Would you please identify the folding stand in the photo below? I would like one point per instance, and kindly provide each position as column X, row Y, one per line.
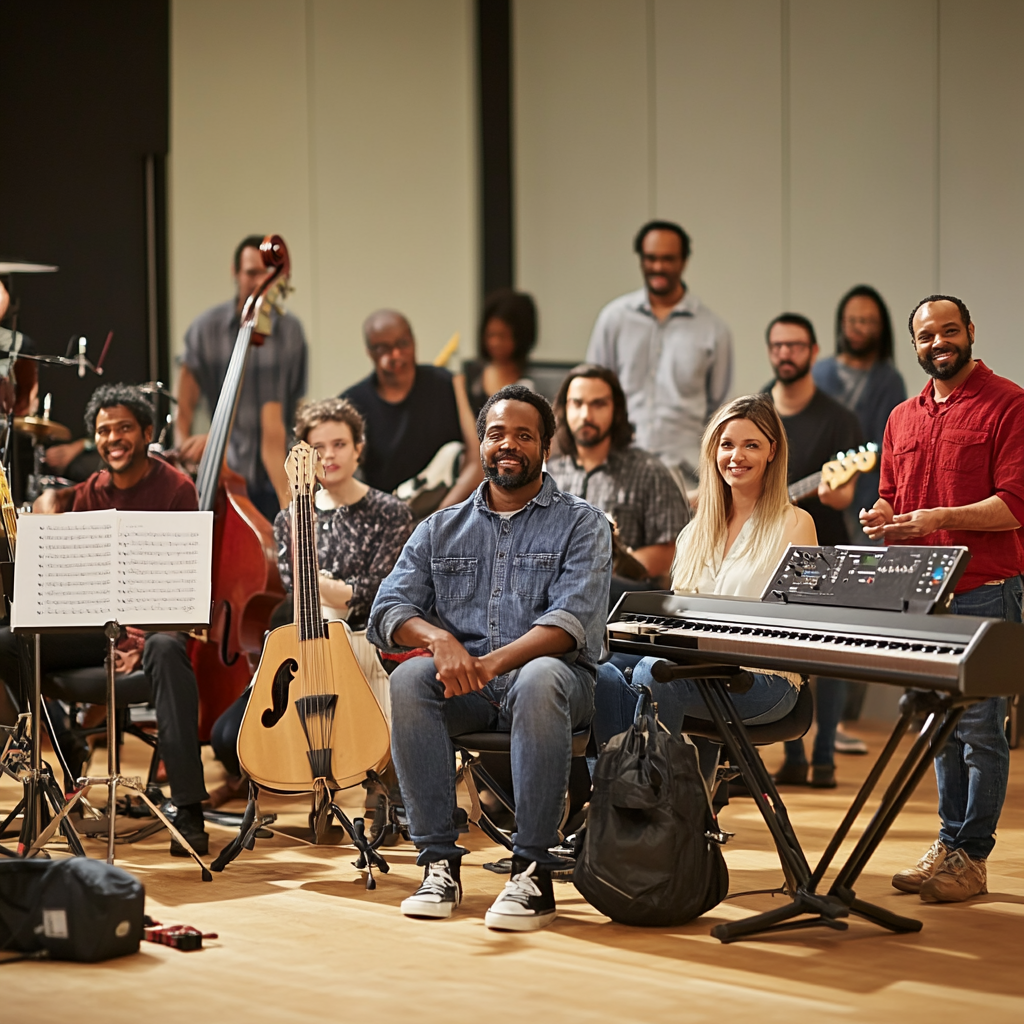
column 112, row 779
column 253, row 820
column 828, row 910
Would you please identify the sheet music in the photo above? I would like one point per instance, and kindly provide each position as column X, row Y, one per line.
column 135, row 568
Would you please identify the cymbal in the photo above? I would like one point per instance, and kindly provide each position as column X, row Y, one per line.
column 41, row 429
column 21, row 267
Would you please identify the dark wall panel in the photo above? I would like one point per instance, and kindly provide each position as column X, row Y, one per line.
column 84, row 100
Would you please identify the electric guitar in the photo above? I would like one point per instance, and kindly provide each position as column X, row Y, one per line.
column 837, row 472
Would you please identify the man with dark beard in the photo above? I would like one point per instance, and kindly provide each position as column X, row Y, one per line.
column 506, row 590
column 953, row 473
column 863, row 376
column 599, row 463
column 817, row 428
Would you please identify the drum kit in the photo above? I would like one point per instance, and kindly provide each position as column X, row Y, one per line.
column 42, row 429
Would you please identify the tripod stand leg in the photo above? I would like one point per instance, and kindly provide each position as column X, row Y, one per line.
column 252, row 822
column 369, row 858
column 129, row 784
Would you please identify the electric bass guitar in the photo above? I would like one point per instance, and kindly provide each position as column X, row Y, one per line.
column 837, row 472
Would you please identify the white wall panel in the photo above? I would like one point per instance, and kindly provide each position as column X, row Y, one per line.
column 394, row 191
column 347, row 127
column 581, row 159
column 862, row 188
column 719, row 160
column 238, row 162
column 982, row 172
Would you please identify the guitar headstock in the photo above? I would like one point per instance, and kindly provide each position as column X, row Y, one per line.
column 845, row 466
column 301, row 466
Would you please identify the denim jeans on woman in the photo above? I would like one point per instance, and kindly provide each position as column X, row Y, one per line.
column 973, row 767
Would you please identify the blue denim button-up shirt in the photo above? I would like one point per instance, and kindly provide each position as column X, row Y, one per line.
column 487, row 580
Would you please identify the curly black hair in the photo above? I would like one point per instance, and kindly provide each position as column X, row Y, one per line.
column 520, row 393
column 518, row 310
column 108, row 395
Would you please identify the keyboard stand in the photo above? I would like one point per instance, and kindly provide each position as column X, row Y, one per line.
column 809, row 908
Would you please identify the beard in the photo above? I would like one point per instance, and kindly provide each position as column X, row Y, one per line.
column 593, row 436
column 950, row 369
column 798, row 372
column 512, row 481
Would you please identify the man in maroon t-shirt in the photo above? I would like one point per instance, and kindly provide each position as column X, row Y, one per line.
column 953, row 473
column 121, row 420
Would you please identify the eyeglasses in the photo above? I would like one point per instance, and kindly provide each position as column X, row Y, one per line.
column 795, row 346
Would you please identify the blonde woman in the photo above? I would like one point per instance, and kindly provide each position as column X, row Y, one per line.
column 741, row 528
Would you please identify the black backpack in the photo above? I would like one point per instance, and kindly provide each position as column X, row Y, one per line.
column 74, row 909
column 651, row 854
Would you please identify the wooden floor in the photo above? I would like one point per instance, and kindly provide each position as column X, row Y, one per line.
column 300, row 939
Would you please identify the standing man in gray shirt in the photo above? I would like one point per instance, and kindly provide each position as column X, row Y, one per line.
column 672, row 355
column 275, row 380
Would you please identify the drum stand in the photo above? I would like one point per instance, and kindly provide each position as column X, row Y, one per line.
column 42, row 804
column 112, row 779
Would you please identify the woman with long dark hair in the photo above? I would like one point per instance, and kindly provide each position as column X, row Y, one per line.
column 508, row 332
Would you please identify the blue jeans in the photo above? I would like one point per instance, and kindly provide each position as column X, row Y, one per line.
column 973, row 767
column 769, row 699
column 829, row 705
column 540, row 705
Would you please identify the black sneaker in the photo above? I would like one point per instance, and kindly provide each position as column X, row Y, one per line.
column 527, row 902
column 190, row 823
column 439, row 894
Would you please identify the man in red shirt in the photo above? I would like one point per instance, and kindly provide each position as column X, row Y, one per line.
column 953, row 473
column 121, row 420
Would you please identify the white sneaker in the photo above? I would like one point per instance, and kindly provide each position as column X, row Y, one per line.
column 438, row 895
column 847, row 744
column 527, row 903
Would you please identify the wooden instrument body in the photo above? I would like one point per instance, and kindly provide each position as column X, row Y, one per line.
column 272, row 744
column 246, row 585
column 246, row 589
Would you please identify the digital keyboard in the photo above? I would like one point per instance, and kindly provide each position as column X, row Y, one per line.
column 954, row 653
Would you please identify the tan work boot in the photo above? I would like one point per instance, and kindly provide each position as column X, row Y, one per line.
column 913, row 878
column 958, row 879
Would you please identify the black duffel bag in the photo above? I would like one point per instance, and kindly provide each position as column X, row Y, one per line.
column 651, row 854
column 75, row 909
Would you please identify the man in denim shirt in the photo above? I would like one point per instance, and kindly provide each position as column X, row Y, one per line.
column 507, row 591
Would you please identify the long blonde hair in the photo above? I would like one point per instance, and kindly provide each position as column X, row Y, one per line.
column 702, row 540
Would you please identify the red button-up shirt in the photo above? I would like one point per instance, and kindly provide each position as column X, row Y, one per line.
column 958, row 452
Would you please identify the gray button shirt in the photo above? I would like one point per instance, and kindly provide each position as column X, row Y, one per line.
column 488, row 579
column 634, row 488
column 675, row 372
column 274, row 372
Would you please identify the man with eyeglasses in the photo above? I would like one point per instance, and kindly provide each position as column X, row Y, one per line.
column 417, row 417
column 672, row 355
column 817, row 428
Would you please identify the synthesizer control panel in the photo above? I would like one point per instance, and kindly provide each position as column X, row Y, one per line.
column 902, row 578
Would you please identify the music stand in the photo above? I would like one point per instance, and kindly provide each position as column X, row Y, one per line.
column 117, row 564
column 113, row 779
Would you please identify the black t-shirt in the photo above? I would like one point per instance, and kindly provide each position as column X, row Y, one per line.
column 816, row 435
column 402, row 437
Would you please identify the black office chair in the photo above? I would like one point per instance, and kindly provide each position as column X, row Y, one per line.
column 477, row 748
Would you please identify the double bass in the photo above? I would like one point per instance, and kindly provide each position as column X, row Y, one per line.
column 246, row 584
column 312, row 723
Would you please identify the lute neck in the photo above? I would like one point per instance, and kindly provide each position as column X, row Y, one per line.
column 309, row 614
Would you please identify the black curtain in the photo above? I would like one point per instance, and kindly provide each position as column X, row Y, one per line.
column 83, row 108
